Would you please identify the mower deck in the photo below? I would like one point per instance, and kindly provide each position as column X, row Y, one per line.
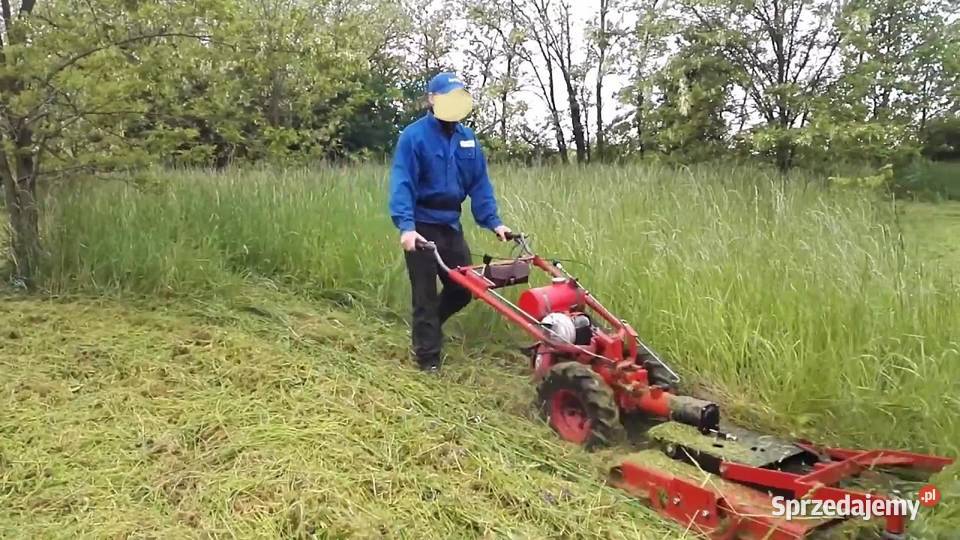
column 710, row 506
column 721, row 485
column 686, row 443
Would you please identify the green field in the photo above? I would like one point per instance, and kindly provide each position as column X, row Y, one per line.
column 227, row 353
column 932, row 233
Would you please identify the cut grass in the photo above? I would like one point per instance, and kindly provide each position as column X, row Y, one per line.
column 267, row 417
column 175, row 421
column 931, row 234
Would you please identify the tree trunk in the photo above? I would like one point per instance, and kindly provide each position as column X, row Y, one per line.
column 566, row 66
column 586, row 124
column 784, row 157
column 503, row 116
column 504, row 94
column 561, row 138
column 601, row 141
column 275, row 98
column 18, row 172
column 557, row 126
column 785, row 147
column 638, row 116
column 21, row 203
column 575, row 119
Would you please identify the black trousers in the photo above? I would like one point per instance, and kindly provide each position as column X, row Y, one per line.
column 430, row 308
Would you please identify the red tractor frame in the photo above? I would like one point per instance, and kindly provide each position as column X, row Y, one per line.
column 584, row 382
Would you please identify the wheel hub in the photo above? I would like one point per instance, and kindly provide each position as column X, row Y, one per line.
column 569, row 417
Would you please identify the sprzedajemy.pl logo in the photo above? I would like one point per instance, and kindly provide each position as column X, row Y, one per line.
column 865, row 508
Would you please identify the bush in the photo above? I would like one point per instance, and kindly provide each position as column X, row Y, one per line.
column 928, row 180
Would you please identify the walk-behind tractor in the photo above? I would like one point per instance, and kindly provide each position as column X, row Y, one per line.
column 721, row 482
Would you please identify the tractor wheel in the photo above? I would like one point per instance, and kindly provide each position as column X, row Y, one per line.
column 579, row 405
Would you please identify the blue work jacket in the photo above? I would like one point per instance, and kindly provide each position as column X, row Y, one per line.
column 432, row 175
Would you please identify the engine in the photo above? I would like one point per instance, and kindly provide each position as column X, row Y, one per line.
column 574, row 328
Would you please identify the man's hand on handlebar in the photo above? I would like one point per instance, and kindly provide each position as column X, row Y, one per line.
column 504, row 233
column 411, row 240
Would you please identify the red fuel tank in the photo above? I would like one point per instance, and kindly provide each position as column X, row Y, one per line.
column 561, row 295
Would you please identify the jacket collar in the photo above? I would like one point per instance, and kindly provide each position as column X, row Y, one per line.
column 435, row 124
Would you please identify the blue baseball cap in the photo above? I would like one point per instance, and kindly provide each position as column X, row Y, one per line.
column 443, row 83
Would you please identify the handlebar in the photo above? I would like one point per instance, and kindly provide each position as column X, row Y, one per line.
column 519, row 238
column 423, row 245
column 510, row 236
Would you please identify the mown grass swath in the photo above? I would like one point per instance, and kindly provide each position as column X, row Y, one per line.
column 179, row 420
column 802, row 311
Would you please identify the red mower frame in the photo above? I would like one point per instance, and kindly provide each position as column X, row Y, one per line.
column 733, row 510
column 617, row 355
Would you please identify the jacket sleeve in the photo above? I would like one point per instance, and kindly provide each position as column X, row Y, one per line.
column 403, row 181
column 482, row 200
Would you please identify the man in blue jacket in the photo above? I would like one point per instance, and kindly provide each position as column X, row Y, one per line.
column 437, row 164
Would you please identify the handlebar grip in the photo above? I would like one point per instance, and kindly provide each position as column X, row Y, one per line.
column 514, row 236
column 422, row 245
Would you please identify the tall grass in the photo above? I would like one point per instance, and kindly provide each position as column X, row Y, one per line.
column 801, row 310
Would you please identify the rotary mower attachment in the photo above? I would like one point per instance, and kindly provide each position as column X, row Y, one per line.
column 593, row 372
column 725, row 486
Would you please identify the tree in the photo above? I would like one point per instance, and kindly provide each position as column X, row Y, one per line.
column 786, row 51
column 533, row 37
column 559, row 41
column 951, row 66
column 941, row 138
column 428, row 40
column 894, row 59
column 645, row 48
column 115, row 85
column 71, row 69
column 606, row 36
column 695, row 88
column 496, row 50
column 549, row 28
column 892, row 79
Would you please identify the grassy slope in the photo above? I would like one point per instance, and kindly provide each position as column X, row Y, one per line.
column 202, row 416
column 165, row 421
column 266, row 417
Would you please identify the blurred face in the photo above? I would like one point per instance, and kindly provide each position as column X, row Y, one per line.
column 452, row 106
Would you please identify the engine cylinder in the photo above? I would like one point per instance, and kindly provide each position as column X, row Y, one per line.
column 561, row 295
column 584, row 327
column 561, row 326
